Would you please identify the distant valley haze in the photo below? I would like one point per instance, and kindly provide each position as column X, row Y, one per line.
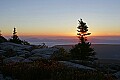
column 68, row 40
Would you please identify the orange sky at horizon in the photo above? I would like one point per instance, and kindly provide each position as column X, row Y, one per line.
column 73, row 33
column 61, row 35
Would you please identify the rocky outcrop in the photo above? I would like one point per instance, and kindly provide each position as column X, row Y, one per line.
column 34, row 58
column 13, row 59
column 2, row 52
column 13, row 46
column 27, row 60
column 74, row 65
column 44, row 52
column 23, row 53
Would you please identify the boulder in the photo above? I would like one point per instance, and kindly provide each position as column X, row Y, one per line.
column 13, row 59
column 34, row 58
column 2, row 52
column 13, row 46
column 21, row 52
column 74, row 65
column 27, row 60
column 45, row 56
column 44, row 52
column 22, row 55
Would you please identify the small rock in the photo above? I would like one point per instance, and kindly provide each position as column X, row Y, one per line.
column 34, row 58
column 19, row 52
column 27, row 60
column 13, row 46
column 74, row 65
column 117, row 75
column 44, row 52
column 2, row 52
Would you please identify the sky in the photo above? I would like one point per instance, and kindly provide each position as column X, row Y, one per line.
column 59, row 17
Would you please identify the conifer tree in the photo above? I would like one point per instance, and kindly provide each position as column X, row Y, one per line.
column 82, row 50
column 15, row 38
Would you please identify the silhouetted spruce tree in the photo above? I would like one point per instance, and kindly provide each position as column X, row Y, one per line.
column 15, row 39
column 82, row 50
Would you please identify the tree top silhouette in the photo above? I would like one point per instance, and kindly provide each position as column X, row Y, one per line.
column 82, row 31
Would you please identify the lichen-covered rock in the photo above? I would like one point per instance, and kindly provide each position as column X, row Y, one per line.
column 13, row 46
column 44, row 52
column 74, row 65
column 2, row 52
column 13, row 59
column 17, row 52
column 34, row 58
column 20, row 52
column 27, row 60
column 22, row 55
column 44, row 56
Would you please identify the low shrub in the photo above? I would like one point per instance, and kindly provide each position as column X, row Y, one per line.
column 48, row 70
column 61, row 54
